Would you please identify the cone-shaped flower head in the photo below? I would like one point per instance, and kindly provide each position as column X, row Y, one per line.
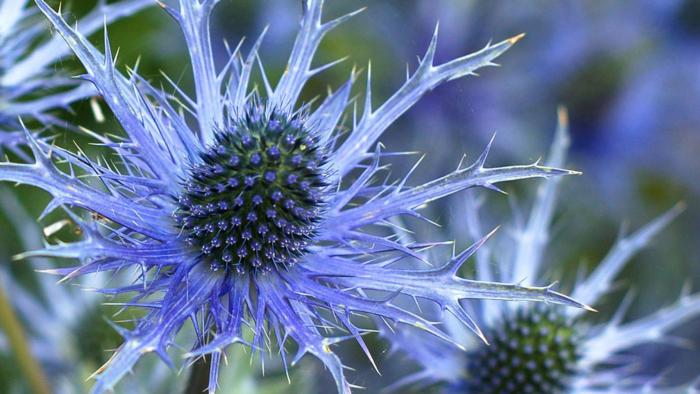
column 241, row 209
column 535, row 350
column 255, row 200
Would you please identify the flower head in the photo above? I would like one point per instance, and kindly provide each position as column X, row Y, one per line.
column 533, row 350
column 544, row 349
column 238, row 208
column 255, row 199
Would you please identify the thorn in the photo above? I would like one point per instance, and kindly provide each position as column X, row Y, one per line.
column 54, row 228
column 481, row 160
column 679, row 207
column 515, row 39
column 495, row 188
column 96, row 110
column 563, row 116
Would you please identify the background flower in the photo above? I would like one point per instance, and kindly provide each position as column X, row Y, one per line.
column 546, row 349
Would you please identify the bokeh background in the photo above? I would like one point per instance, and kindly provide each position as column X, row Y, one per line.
column 628, row 71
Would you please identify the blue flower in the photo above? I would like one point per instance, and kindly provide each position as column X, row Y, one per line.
column 543, row 349
column 26, row 60
column 238, row 209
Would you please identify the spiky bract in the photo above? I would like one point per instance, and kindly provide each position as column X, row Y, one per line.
column 29, row 85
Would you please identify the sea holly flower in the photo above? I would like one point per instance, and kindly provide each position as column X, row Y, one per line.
column 241, row 209
column 30, row 86
column 541, row 348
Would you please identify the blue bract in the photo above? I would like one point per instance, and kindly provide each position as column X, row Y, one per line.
column 29, row 85
column 242, row 209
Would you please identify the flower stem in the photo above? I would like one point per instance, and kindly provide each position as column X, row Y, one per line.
column 199, row 377
column 18, row 342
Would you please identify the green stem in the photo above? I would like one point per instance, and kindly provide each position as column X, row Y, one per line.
column 18, row 342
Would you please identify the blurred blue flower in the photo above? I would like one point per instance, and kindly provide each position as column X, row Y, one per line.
column 236, row 208
column 543, row 349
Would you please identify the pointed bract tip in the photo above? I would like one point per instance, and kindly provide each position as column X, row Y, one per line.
column 483, row 339
column 492, row 232
column 589, row 308
column 551, row 171
column 679, row 207
column 515, row 39
column 48, row 271
column 562, row 115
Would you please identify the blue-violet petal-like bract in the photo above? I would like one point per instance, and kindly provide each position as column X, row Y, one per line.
column 26, row 65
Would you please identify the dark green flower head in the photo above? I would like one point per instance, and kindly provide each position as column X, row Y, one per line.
column 256, row 197
column 533, row 351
